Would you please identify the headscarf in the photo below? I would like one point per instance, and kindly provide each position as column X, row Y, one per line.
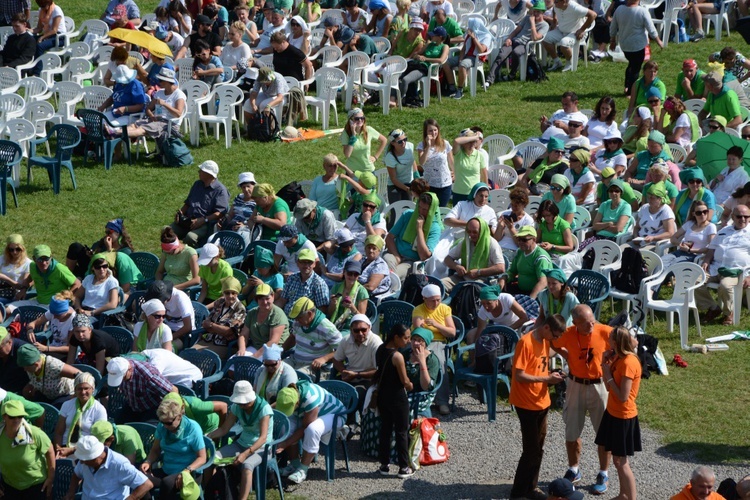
column 375, row 239
column 658, row 189
column 231, row 283
column 480, row 256
column 477, row 187
column 263, row 257
column 410, row 233
column 561, row 181
column 372, row 197
column 490, row 293
column 686, row 176
column 554, row 144
column 302, row 23
column 424, row 334
column 75, row 425
column 583, row 156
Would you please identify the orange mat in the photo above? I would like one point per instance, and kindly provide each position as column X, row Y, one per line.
column 310, row 134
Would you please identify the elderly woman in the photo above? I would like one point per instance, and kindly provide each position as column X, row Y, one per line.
column 50, row 380
column 166, row 109
column 423, row 365
column 14, row 267
column 498, row 308
column 77, row 415
column 375, row 276
column 560, row 193
column 437, row 318
column 367, row 223
column 684, row 128
column 581, row 179
column 543, row 169
column 348, row 297
column 635, row 175
column 556, row 298
column 602, row 189
column 255, row 416
column 151, row 332
column 659, row 173
column 128, row 96
column 614, row 215
column 655, row 221
column 264, row 324
column 97, row 347
column 207, row 414
column 697, row 190
column 265, row 273
column 693, row 237
column 59, row 317
column 356, row 140
column 212, row 269
column 731, row 178
column 267, row 93
column 510, row 221
column 240, row 213
column 271, row 211
column 99, row 292
column 27, row 456
column 178, row 263
column 344, row 252
column 274, row 375
column 178, row 445
column 225, row 322
column 555, row 235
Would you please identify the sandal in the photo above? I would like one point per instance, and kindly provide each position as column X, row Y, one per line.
column 677, row 360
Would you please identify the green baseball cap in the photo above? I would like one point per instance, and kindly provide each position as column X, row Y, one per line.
column 286, row 400
column 42, row 251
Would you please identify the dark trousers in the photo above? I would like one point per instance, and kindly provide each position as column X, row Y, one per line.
column 443, row 194
column 394, row 415
column 635, row 61
column 533, row 433
column 395, row 194
column 166, row 485
column 31, row 493
column 518, row 49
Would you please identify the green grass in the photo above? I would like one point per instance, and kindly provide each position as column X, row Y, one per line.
column 698, row 409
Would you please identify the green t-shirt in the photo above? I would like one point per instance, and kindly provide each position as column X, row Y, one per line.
column 697, row 83
column 641, row 89
column 251, row 429
column 451, row 26
column 610, row 214
column 555, row 235
column 628, row 195
column 635, row 144
column 359, row 160
column 24, row 466
column 404, row 47
column 128, row 441
column 177, row 266
column 529, row 268
column 203, row 413
column 433, row 51
column 213, row 280
column 127, row 271
column 567, row 205
column 367, row 45
column 412, row 371
column 278, row 205
column 34, row 410
column 726, row 104
column 261, row 332
column 468, row 169
column 58, row 279
column 303, row 11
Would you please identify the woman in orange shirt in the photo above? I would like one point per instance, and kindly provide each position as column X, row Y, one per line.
column 619, row 431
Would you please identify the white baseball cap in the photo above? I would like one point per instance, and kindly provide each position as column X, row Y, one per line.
column 88, row 448
column 210, row 167
column 208, row 252
column 116, row 370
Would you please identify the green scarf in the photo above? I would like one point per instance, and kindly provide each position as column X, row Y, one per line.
column 255, row 413
column 319, row 316
column 536, row 176
column 410, row 233
column 374, row 219
column 142, row 339
column 45, row 276
column 607, row 155
column 480, row 257
column 342, row 257
column 318, row 217
column 551, row 304
column 684, row 198
column 584, row 171
column 301, row 240
column 338, row 289
column 75, row 430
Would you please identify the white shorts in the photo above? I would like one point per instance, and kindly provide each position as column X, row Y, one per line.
column 318, row 430
column 579, row 399
column 557, row 37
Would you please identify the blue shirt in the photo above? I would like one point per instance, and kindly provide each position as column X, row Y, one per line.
column 325, row 193
column 114, row 479
column 129, row 94
column 180, row 450
column 315, row 288
column 203, row 200
column 154, row 69
column 404, row 248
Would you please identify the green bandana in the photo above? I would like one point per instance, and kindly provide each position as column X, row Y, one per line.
column 263, row 257
column 480, row 257
column 319, row 316
column 410, row 233
column 301, row 240
column 75, row 426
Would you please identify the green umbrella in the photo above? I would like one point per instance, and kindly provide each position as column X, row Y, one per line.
column 711, row 153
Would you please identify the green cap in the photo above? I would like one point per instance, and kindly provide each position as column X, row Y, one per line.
column 3, row 333
column 616, row 183
column 190, row 489
column 560, row 180
column 287, row 399
column 367, row 179
column 27, row 355
column 526, row 231
column 302, row 305
column 306, row 254
column 539, row 5
column 556, row 274
column 555, row 143
column 42, row 251
column 263, row 257
column 657, row 137
column 422, row 333
column 14, row 408
column 102, row 430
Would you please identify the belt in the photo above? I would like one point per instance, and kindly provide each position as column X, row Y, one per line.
column 585, row 381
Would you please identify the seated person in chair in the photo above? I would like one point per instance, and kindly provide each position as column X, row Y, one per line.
column 527, row 266
column 268, row 92
column 313, row 337
column 479, row 253
column 165, row 112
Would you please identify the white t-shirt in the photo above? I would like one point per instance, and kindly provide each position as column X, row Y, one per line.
column 653, row 224
column 731, row 249
column 60, row 329
column 465, row 210
column 685, row 139
column 88, row 418
column 601, row 162
column 731, row 183
column 231, row 55
column 13, row 272
column 360, row 232
column 599, row 130
column 496, row 254
column 577, row 187
column 508, row 242
column 265, row 37
column 171, row 100
column 299, row 41
column 172, row 367
column 576, row 142
column 291, row 259
column 572, row 18
column 507, row 316
column 437, row 173
column 176, row 42
column 564, row 117
column 156, row 341
column 97, row 295
column 431, row 7
column 699, row 238
column 57, row 12
column 403, row 164
column 177, row 308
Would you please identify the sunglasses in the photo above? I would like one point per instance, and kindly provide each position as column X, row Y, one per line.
column 359, row 330
column 400, row 141
column 271, row 365
column 695, row 181
column 103, row 266
column 556, row 188
column 742, row 216
column 525, row 240
column 714, row 127
column 14, row 249
column 701, row 212
column 369, row 205
column 654, row 101
column 352, row 273
column 358, row 118
column 575, row 125
column 295, row 24
column 170, row 423
column 42, row 259
column 159, row 316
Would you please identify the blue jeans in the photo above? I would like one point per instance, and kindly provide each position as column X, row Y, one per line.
column 443, row 194
column 45, row 45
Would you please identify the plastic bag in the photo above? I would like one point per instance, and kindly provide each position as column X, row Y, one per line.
column 427, row 443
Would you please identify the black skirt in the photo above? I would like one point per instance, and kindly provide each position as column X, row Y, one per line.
column 621, row 437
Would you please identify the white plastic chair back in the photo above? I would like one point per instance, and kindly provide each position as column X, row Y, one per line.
column 328, row 81
column 480, row 6
column 138, row 56
column 499, row 200
column 678, row 153
column 462, row 8
column 95, row 27
column 21, row 131
column 292, row 83
column 503, row 176
column 530, row 151
column 5, row 32
column 184, row 68
column 588, row 113
column 330, row 55
column 383, row 44
column 34, row 89
column 468, row 17
column 102, row 54
column 11, row 106
column 78, row 70
column 695, row 105
column 606, row 253
column 51, row 65
column 9, row 79
column 533, row 206
column 382, row 176
column 228, row 97
column 95, row 95
column 732, row 132
column 39, row 113
column 79, row 49
column 397, row 209
column 500, row 147
column 316, row 35
column 67, row 95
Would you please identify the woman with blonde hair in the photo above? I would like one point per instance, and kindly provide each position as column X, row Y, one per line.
column 356, row 140
column 436, row 160
column 178, row 263
column 271, row 211
column 14, row 267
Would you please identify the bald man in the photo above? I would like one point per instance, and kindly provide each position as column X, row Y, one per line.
column 700, row 487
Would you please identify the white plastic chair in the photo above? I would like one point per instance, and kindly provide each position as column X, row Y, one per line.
column 433, row 75
column 530, row 151
column 478, row 68
column 80, row 49
column 678, row 154
column 184, row 69
column 501, row 28
column 531, row 48
column 468, row 17
column 330, row 55
column 583, row 44
column 390, row 69
column 51, row 66
column 40, row 113
column 719, row 20
column 95, row 95
column 499, row 200
column 655, row 267
column 34, row 89
column 383, row 45
column 78, row 70
column 582, row 219
column 500, row 147
column 9, row 80
column 382, row 177
column 11, row 106
column 21, row 131
column 67, row 95
column 194, row 91
column 102, row 54
column 503, row 176
column 5, row 32
column 671, row 11
column 695, row 105
column 687, row 278
column 397, row 209
column 327, row 82
column 533, row 206
column 462, row 8
column 95, row 27
column 228, row 99
column 607, row 255
column 70, row 32
column 355, row 62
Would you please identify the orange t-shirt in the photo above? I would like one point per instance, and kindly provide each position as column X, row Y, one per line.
column 585, row 351
column 630, row 367
column 687, row 494
column 532, row 357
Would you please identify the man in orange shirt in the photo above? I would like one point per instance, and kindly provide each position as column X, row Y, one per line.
column 700, row 487
column 529, row 393
column 582, row 346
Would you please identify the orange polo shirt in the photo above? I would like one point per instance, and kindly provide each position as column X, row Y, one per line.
column 532, row 357
column 687, row 494
column 630, row 367
column 585, row 351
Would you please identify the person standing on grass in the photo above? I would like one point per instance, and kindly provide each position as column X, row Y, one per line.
column 619, row 432
column 529, row 393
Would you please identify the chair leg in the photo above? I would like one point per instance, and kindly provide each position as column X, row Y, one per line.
column 492, row 402
column 697, row 319
column 385, row 101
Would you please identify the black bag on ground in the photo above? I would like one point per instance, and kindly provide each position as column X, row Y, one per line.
column 631, row 273
column 224, row 484
column 465, row 304
column 263, row 127
column 489, row 347
column 647, row 345
column 411, row 290
column 291, row 194
column 174, row 152
column 587, row 262
column 534, row 71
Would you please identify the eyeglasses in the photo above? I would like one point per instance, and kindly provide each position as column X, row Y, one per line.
column 159, row 316
column 171, row 423
column 42, row 259
column 103, row 266
column 574, row 125
column 701, row 212
column 359, row 330
column 695, row 181
column 369, row 205
column 14, row 249
column 714, row 127
column 401, row 141
column 654, row 101
column 358, row 118
column 524, row 240
column 556, row 188
column 742, row 216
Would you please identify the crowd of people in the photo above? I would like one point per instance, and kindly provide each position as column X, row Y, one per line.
column 300, row 305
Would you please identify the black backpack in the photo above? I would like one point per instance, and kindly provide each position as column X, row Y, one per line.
column 291, row 194
column 411, row 290
column 489, row 347
column 465, row 304
column 264, row 127
column 534, row 71
column 224, row 484
column 631, row 273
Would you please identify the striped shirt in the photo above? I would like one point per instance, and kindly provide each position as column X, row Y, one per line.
column 321, row 341
column 312, row 396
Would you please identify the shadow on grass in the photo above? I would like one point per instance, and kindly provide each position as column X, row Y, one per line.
column 690, row 452
column 556, row 98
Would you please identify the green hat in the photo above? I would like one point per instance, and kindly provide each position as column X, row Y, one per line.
column 307, row 254
column 657, row 137
column 42, row 251
column 372, row 198
column 263, row 290
column 539, row 5
column 555, row 143
column 3, row 333
column 657, row 189
column 582, row 155
column 302, row 305
column 422, row 333
column 719, row 119
column 102, row 430
column 287, row 399
column 526, row 231
column 560, row 180
column 367, row 179
column 689, row 174
column 375, row 239
column 556, row 274
column 616, row 183
column 190, row 489
column 263, row 257
column 490, row 293
column 231, row 283
column 14, row 408
column 608, row 172
column 27, row 355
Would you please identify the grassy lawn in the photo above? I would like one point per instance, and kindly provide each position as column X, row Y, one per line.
column 696, row 408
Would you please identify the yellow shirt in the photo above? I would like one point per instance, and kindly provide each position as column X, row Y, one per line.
column 438, row 316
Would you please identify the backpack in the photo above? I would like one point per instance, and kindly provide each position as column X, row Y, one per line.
column 291, row 194
column 534, row 71
column 489, row 347
column 411, row 290
column 174, row 152
column 632, row 272
column 224, row 484
column 465, row 304
column 263, row 127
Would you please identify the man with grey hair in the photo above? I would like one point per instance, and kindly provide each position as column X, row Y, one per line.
column 700, row 487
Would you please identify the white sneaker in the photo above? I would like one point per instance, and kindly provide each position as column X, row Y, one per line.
column 556, row 64
column 289, row 469
column 298, row 476
column 568, row 67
